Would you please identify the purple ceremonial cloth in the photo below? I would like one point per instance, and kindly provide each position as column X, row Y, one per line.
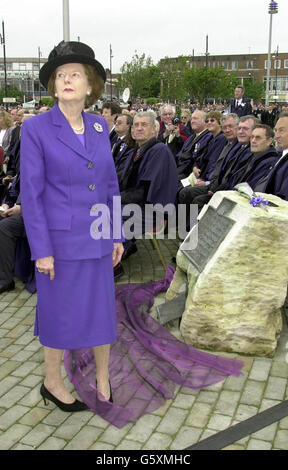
column 146, row 361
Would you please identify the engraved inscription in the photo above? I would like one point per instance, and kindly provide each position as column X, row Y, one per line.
column 212, row 229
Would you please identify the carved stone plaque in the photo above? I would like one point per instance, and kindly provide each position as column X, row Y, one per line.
column 212, row 229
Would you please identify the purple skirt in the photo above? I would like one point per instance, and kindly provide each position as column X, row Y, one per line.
column 77, row 309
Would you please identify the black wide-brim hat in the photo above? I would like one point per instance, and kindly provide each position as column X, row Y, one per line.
column 66, row 53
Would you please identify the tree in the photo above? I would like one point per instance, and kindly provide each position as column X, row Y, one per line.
column 172, row 78
column 254, row 89
column 206, row 82
column 141, row 76
column 13, row 92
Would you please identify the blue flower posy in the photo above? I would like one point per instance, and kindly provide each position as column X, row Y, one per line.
column 258, row 201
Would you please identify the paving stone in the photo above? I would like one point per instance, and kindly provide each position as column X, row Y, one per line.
column 55, row 417
column 260, row 369
column 32, row 398
column 22, row 447
column 13, row 396
column 11, row 350
column 163, row 409
column 234, row 447
column 253, row 392
column 255, row 444
column 158, row 441
column 227, row 402
column 208, row 397
column 172, row 421
column 98, row 422
column 13, row 435
column 266, row 403
column 22, row 356
column 199, row 415
column 235, row 383
column 37, row 435
column 185, row 438
column 183, row 401
column 72, row 424
column 128, row 445
column 25, row 339
column 17, row 331
column 12, row 415
column 219, row 422
column 53, row 443
column 267, row 433
column 7, row 383
column 102, row 446
column 31, row 381
column 24, row 312
column 17, row 302
column 245, row 412
column 84, row 439
column 281, row 440
column 31, row 301
column 3, row 305
column 283, row 423
column 276, row 388
column 114, row 435
column 143, row 428
column 25, row 369
column 34, row 416
column 279, row 369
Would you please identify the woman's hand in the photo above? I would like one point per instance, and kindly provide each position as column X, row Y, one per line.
column 46, row 266
column 117, row 253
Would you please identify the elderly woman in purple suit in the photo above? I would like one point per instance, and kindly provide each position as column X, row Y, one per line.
column 66, row 170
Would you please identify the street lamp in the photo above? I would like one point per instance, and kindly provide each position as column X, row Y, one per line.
column 275, row 56
column 273, row 9
column 2, row 41
column 39, row 58
column 66, row 21
column 111, row 56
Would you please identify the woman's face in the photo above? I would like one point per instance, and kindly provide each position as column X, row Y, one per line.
column 184, row 118
column 71, row 83
column 213, row 125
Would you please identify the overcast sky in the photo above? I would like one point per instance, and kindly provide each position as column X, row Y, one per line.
column 158, row 28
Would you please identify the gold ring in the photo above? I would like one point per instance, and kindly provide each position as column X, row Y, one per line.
column 40, row 270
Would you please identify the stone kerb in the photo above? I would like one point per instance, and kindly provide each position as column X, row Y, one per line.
column 234, row 296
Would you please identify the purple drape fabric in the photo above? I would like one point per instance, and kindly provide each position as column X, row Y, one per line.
column 146, row 361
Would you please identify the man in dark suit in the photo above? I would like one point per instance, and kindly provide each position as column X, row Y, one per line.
column 110, row 112
column 239, row 104
column 276, row 181
column 195, row 146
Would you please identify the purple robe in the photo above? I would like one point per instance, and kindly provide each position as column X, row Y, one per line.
column 158, row 168
column 277, row 181
column 193, row 149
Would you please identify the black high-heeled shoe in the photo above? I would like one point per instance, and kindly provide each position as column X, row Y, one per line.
column 68, row 407
column 111, row 397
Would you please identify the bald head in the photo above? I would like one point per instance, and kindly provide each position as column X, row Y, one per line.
column 198, row 121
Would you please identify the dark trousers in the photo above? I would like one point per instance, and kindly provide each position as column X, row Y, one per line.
column 11, row 229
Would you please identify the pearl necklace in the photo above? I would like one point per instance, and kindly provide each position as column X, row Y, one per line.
column 79, row 130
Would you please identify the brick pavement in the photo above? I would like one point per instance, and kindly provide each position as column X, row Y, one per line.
column 25, row 423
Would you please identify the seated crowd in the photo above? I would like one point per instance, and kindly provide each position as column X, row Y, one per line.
column 161, row 157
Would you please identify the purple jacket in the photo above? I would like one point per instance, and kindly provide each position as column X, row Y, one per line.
column 61, row 180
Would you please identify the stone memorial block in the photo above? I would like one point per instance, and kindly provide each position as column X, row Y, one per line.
column 236, row 276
